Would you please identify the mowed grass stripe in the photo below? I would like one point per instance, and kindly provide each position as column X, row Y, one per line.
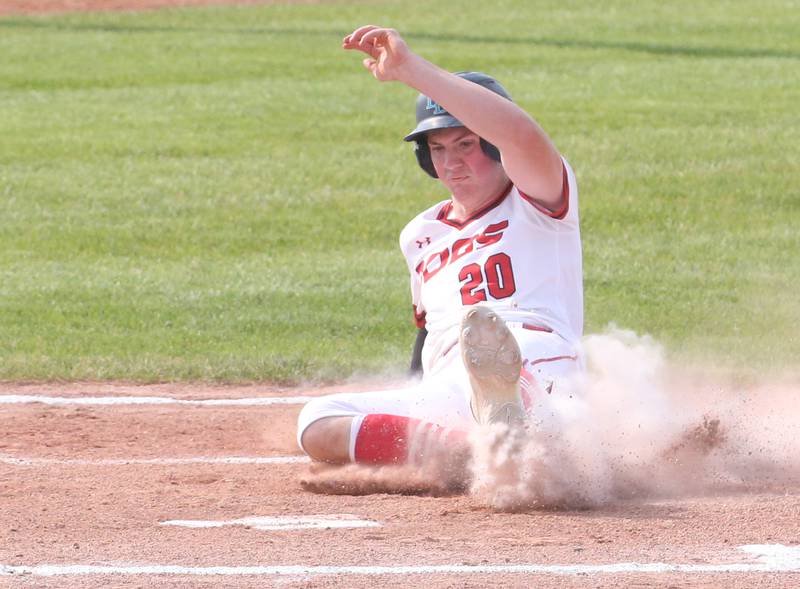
column 216, row 193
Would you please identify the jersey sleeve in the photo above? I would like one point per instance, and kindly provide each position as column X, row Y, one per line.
column 415, row 280
column 419, row 310
column 567, row 210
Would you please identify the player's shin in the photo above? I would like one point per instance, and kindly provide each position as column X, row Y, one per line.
column 381, row 439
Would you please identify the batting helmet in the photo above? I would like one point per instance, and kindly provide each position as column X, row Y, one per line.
column 431, row 116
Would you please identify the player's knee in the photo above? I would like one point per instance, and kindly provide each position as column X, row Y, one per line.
column 309, row 415
column 327, row 439
column 311, row 440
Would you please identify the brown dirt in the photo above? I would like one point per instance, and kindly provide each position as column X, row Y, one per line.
column 96, row 514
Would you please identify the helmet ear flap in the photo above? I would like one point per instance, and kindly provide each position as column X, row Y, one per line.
column 423, row 153
column 490, row 150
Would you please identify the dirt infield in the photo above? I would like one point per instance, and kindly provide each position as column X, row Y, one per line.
column 89, row 473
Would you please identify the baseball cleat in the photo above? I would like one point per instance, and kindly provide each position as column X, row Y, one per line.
column 493, row 361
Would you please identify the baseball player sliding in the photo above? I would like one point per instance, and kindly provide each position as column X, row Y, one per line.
column 495, row 269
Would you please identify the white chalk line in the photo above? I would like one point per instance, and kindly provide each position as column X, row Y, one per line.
column 16, row 461
column 90, row 401
column 774, row 559
column 304, row 522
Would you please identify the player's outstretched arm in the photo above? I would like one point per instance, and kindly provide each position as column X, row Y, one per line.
column 529, row 157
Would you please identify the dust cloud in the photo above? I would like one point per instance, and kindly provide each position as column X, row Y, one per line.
column 634, row 428
column 631, row 428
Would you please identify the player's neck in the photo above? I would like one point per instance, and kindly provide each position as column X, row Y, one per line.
column 468, row 203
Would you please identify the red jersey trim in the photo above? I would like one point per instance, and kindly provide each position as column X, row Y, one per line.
column 448, row 206
column 563, row 208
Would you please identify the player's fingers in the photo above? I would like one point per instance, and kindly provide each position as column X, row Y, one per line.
column 356, row 41
column 374, row 43
column 354, row 37
column 370, row 50
column 371, row 65
column 374, row 36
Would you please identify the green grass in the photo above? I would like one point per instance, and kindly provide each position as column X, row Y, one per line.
column 216, row 194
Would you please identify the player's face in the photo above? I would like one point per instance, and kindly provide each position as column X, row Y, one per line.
column 461, row 163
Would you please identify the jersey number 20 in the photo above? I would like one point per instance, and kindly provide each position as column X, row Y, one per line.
column 496, row 274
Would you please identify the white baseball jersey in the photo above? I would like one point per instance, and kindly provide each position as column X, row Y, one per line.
column 514, row 255
column 519, row 258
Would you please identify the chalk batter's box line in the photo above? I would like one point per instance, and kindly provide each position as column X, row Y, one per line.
column 773, row 559
column 193, row 460
column 102, row 401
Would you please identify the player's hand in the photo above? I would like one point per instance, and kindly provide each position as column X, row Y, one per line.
column 387, row 51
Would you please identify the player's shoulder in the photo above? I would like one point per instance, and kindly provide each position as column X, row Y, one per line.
column 564, row 214
column 421, row 227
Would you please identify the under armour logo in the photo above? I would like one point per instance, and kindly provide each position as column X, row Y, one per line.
column 423, row 242
column 435, row 107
